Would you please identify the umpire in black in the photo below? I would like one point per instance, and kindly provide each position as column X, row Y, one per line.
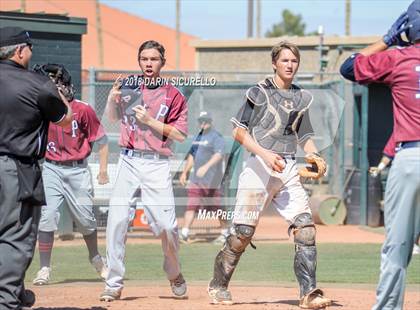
column 28, row 102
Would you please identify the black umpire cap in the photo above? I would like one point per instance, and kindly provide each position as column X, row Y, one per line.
column 13, row 36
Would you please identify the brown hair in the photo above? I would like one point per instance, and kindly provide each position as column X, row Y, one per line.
column 152, row 44
column 276, row 50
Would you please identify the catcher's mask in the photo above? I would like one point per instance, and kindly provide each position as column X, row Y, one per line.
column 60, row 76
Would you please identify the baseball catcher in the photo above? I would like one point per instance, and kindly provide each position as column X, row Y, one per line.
column 271, row 123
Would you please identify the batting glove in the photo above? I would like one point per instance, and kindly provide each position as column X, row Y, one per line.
column 393, row 37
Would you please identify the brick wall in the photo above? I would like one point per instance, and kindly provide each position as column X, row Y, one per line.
column 60, row 48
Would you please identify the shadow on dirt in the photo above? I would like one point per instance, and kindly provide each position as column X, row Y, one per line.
column 173, row 297
column 78, row 280
column 70, row 308
column 292, row 302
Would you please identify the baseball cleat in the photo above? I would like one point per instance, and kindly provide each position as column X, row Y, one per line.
column 184, row 239
column 109, row 295
column 42, row 276
column 179, row 286
column 100, row 266
column 314, row 300
column 220, row 296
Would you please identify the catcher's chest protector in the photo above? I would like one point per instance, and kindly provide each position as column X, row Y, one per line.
column 278, row 115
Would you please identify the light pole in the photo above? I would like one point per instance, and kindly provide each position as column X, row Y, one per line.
column 250, row 18
column 348, row 17
column 321, row 47
column 178, row 35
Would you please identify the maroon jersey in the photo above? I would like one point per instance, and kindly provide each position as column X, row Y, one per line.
column 74, row 142
column 400, row 69
column 390, row 146
column 164, row 103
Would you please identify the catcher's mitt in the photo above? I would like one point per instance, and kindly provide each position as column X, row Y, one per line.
column 60, row 76
column 317, row 169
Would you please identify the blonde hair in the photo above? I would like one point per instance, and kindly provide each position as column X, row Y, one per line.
column 276, row 50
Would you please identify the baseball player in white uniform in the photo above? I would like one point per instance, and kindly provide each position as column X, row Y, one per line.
column 270, row 125
column 67, row 179
column 152, row 115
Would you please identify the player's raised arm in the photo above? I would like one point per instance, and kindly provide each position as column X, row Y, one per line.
column 392, row 37
column 111, row 109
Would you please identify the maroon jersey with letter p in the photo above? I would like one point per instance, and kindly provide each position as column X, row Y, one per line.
column 74, row 142
column 164, row 103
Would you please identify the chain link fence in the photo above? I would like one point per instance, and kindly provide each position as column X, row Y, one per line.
column 222, row 94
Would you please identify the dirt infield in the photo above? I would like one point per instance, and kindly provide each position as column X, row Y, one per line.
column 86, row 296
column 156, row 295
column 273, row 227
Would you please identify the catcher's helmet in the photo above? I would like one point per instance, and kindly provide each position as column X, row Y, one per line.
column 413, row 12
column 60, row 76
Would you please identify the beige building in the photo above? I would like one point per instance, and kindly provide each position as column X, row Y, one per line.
column 253, row 55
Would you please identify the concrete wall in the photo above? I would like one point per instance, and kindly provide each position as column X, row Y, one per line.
column 253, row 55
column 63, row 49
column 56, row 38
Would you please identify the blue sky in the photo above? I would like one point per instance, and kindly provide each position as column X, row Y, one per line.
column 218, row 19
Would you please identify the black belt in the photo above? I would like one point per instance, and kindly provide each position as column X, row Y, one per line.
column 408, row 144
column 69, row 163
column 143, row 154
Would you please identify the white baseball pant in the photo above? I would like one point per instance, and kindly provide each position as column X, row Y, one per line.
column 258, row 188
column 153, row 177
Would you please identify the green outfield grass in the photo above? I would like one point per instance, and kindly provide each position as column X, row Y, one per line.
column 337, row 263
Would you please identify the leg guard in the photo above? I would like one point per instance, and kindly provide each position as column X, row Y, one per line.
column 305, row 252
column 227, row 259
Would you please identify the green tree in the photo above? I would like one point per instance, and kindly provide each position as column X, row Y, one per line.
column 290, row 25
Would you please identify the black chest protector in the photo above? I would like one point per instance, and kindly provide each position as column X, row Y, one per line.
column 278, row 114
